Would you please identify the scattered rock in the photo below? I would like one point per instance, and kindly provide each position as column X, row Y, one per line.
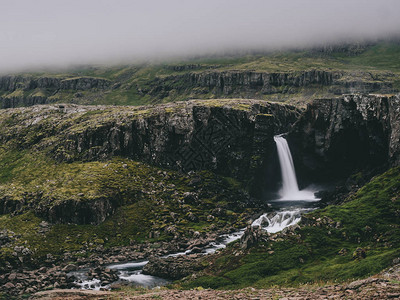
column 359, row 253
column 9, row 285
column 58, row 294
column 70, row 267
column 174, row 267
column 251, row 236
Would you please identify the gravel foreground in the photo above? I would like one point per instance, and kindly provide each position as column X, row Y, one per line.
column 383, row 286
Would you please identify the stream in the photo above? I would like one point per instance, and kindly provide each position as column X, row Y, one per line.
column 287, row 211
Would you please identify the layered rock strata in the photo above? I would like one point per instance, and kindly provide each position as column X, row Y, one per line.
column 340, row 136
column 231, row 138
column 256, row 84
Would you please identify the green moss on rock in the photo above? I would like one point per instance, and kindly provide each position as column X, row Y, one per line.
column 322, row 248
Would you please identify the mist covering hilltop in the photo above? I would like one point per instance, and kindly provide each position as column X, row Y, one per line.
column 211, row 144
column 45, row 33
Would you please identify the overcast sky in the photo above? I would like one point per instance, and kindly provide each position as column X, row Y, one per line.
column 62, row 32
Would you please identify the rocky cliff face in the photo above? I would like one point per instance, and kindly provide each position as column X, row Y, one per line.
column 12, row 83
column 27, row 90
column 17, row 101
column 190, row 81
column 266, row 83
column 232, row 138
column 251, row 84
column 224, row 138
column 335, row 137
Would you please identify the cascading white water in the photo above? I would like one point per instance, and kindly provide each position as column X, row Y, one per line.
column 290, row 189
column 289, row 181
column 271, row 222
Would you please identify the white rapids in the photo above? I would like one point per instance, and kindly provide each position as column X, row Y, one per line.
column 290, row 193
column 131, row 272
column 291, row 203
column 273, row 223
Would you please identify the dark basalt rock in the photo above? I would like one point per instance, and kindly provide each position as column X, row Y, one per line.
column 78, row 212
column 359, row 253
column 47, row 86
column 238, row 82
column 9, row 102
column 174, row 267
column 252, row 84
column 233, row 138
column 193, row 81
column 251, row 236
column 338, row 137
column 12, row 83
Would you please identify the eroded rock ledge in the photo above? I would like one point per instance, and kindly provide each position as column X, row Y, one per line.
column 230, row 137
column 340, row 136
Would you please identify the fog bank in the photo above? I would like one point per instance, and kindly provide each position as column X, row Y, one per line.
column 45, row 33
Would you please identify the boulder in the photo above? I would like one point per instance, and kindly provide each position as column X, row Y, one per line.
column 359, row 253
column 251, row 236
column 174, row 267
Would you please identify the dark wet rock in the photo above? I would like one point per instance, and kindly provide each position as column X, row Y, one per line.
column 218, row 137
column 232, row 138
column 190, row 197
column 251, row 236
column 338, row 137
column 33, row 88
column 6, row 236
column 174, row 267
column 359, row 253
column 69, row 268
column 192, row 217
column 9, row 286
column 105, row 275
column 196, row 250
column 30, row 281
column 251, row 84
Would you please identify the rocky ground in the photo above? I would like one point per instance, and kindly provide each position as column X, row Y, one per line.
column 383, row 286
column 56, row 274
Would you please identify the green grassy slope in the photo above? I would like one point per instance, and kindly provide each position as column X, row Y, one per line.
column 147, row 197
column 323, row 249
column 143, row 83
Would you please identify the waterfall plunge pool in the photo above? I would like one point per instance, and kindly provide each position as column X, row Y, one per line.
column 287, row 211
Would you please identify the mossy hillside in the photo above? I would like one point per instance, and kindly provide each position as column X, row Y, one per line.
column 147, row 199
column 56, row 129
column 119, row 178
column 162, row 135
column 323, row 248
column 78, row 181
column 149, row 83
column 380, row 56
column 24, row 127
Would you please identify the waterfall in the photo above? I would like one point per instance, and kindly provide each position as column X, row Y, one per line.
column 289, row 215
column 290, row 189
column 292, row 211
